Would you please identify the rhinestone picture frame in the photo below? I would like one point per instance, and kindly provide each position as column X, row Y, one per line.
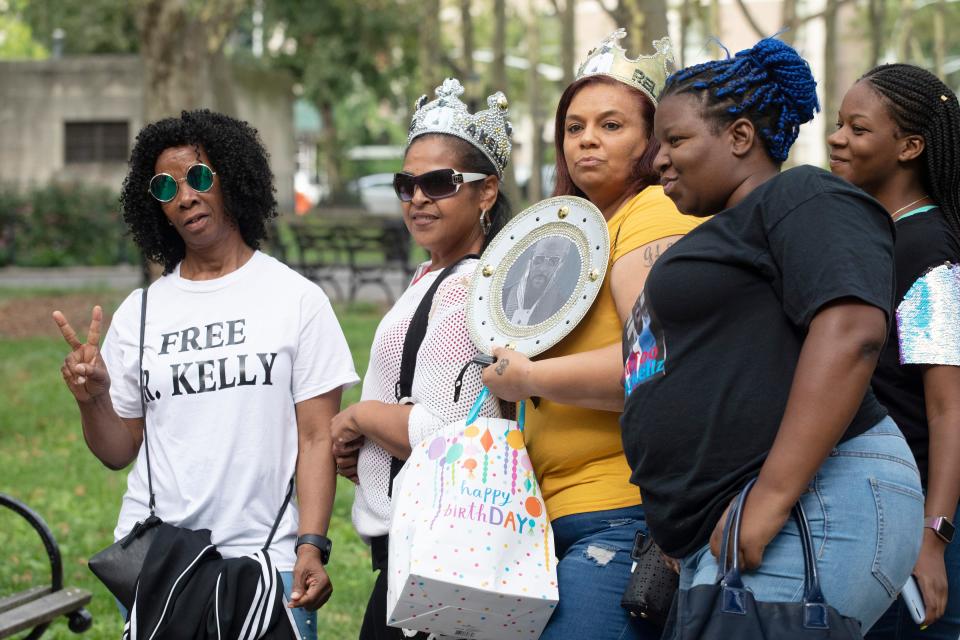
column 538, row 278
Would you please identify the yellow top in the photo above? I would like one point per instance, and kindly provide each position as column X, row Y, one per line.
column 576, row 452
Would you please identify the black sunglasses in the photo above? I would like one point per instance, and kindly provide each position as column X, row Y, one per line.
column 164, row 187
column 436, row 185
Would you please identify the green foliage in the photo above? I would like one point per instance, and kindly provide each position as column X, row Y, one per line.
column 47, row 465
column 345, row 44
column 16, row 40
column 89, row 26
column 62, row 225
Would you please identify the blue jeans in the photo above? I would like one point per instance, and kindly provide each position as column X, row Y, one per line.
column 896, row 623
column 593, row 572
column 865, row 507
column 306, row 620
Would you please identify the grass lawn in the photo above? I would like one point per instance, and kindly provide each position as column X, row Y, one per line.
column 45, row 463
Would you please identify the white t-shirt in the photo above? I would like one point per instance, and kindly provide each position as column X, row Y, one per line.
column 225, row 362
column 446, row 347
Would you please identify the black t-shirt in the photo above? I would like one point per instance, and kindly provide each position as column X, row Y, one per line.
column 924, row 242
column 713, row 342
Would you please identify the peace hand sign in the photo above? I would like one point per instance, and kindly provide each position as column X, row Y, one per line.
column 83, row 369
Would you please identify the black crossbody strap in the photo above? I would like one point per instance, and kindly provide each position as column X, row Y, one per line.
column 411, row 345
column 143, row 401
column 276, row 523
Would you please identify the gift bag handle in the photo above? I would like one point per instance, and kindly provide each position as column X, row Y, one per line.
column 729, row 576
column 478, row 405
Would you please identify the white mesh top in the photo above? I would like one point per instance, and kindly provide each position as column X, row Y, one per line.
column 445, row 349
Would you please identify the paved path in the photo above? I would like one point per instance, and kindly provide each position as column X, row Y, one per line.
column 126, row 277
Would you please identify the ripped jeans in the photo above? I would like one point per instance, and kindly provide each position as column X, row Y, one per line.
column 593, row 571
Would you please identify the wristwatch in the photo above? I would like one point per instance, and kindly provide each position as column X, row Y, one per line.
column 941, row 526
column 320, row 542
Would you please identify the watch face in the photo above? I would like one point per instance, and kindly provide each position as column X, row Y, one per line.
column 946, row 529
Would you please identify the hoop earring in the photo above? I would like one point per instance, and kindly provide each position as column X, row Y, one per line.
column 485, row 222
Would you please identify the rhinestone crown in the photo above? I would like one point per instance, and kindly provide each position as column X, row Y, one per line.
column 487, row 130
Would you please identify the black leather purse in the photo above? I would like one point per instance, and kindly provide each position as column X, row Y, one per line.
column 118, row 566
column 727, row 609
column 652, row 585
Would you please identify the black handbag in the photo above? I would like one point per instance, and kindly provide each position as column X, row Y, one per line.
column 726, row 609
column 652, row 585
column 118, row 566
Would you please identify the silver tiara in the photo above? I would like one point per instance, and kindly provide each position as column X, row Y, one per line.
column 488, row 130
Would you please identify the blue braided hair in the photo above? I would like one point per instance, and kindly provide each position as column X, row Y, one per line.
column 769, row 83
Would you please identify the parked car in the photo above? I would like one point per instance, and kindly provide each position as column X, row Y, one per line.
column 377, row 195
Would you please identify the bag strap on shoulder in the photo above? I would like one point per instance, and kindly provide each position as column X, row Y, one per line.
column 143, row 402
column 411, row 346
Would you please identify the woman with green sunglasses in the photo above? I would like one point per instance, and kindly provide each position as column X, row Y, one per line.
column 244, row 361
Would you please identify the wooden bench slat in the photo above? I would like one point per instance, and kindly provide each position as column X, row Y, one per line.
column 42, row 610
column 23, row 597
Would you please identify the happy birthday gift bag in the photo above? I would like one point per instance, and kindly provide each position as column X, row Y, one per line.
column 471, row 547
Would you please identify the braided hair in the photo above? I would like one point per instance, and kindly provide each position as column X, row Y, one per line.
column 920, row 104
column 770, row 84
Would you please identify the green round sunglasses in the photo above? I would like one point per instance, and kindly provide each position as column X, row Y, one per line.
column 164, row 187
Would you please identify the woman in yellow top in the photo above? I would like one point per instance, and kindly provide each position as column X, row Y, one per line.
column 605, row 151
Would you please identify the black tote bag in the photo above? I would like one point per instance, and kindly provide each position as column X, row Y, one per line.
column 726, row 609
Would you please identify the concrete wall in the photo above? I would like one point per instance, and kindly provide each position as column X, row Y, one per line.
column 38, row 97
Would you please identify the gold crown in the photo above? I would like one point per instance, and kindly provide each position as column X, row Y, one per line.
column 646, row 73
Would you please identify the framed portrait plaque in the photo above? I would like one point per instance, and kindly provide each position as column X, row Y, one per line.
column 539, row 276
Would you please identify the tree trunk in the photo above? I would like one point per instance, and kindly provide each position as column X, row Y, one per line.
column 830, row 98
column 568, row 41
column 180, row 47
column 330, row 150
column 534, row 186
column 905, row 29
column 498, row 70
column 789, row 21
column 622, row 15
column 466, row 38
column 876, row 14
column 498, row 77
column 429, row 53
column 939, row 38
column 715, row 25
column 183, row 64
column 685, row 20
column 174, row 59
column 653, row 26
column 748, row 16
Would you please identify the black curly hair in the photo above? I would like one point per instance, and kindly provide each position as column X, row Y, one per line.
column 236, row 154
column 921, row 104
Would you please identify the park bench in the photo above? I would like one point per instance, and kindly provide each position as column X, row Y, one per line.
column 363, row 250
column 37, row 607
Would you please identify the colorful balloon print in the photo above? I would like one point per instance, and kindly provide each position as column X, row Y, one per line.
column 436, row 448
column 454, row 452
column 525, row 462
column 515, row 439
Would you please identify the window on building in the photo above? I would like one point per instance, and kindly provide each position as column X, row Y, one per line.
column 96, row 141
